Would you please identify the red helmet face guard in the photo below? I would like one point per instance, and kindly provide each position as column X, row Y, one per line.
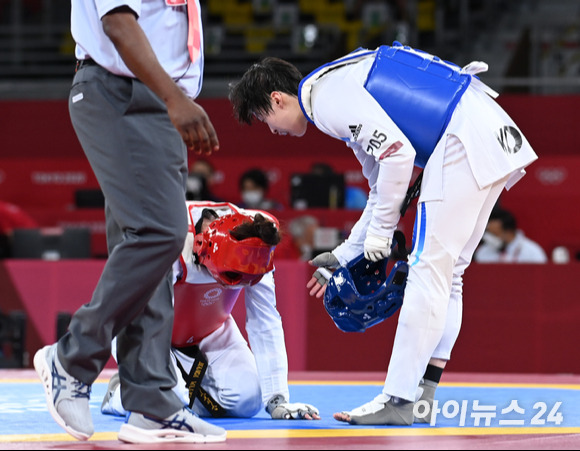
column 229, row 261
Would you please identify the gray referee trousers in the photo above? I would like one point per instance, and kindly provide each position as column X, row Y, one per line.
column 140, row 162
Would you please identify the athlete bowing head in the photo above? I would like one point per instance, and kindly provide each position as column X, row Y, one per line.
column 228, row 251
column 236, row 249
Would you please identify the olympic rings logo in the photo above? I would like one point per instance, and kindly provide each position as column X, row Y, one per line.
column 552, row 176
column 211, row 296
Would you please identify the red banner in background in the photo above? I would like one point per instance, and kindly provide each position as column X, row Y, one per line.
column 517, row 318
column 34, row 183
column 42, row 129
column 40, row 171
column 550, row 123
column 545, row 202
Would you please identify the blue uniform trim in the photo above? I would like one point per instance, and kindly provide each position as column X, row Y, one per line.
column 311, row 77
column 300, row 100
column 415, row 225
column 420, row 243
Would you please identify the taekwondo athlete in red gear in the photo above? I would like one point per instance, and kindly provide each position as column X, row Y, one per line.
column 209, row 276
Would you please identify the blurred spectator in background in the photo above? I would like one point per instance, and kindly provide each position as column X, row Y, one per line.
column 302, row 231
column 254, row 188
column 200, row 180
column 320, row 168
column 12, row 217
column 304, row 238
column 355, row 198
column 503, row 242
column 204, row 168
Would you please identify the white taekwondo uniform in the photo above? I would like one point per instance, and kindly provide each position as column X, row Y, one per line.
column 480, row 151
column 241, row 380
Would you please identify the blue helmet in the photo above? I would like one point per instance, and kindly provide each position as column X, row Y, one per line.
column 361, row 295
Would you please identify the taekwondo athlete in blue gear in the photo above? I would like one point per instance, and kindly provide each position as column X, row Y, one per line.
column 397, row 107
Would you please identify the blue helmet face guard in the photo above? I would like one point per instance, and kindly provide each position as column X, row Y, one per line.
column 361, row 294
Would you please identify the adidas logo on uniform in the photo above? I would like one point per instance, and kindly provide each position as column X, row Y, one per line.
column 355, row 130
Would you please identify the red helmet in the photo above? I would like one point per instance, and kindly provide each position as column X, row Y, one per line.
column 228, row 260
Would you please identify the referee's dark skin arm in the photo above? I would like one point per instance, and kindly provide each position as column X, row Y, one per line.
column 190, row 119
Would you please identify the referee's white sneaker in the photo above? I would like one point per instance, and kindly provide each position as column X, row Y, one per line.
column 181, row 427
column 383, row 410
column 67, row 398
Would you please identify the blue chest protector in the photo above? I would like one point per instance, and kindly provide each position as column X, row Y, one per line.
column 419, row 92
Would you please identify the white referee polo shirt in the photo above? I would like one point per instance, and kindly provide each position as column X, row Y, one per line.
column 165, row 26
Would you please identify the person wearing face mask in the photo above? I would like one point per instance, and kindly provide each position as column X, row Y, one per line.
column 199, row 182
column 254, row 186
column 302, row 230
column 503, row 242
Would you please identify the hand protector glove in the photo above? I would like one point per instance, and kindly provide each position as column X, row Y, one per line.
column 377, row 247
column 325, row 260
column 327, row 263
column 280, row 409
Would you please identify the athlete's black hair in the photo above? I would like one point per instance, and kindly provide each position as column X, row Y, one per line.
column 251, row 95
column 260, row 228
column 206, row 213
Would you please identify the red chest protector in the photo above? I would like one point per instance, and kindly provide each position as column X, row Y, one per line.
column 200, row 309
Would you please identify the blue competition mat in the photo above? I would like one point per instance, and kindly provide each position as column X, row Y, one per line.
column 23, row 409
